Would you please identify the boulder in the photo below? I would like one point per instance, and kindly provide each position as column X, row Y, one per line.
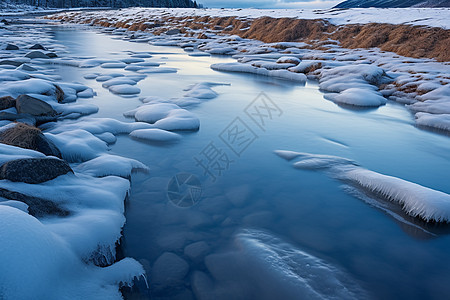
column 26, row 67
column 11, row 47
column 11, row 63
column 59, row 94
column 34, row 170
column 36, row 54
column 28, row 137
column 28, row 119
column 197, row 251
column 7, row 102
column 37, row 207
column 51, row 54
column 29, row 105
column 169, row 270
column 173, row 31
column 37, row 47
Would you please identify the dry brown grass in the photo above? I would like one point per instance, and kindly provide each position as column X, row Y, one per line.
column 21, row 135
column 405, row 40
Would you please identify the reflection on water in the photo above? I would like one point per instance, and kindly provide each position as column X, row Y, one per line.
column 258, row 190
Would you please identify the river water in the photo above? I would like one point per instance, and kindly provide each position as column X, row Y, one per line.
column 261, row 192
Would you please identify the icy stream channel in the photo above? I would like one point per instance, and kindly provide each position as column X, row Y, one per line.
column 260, row 229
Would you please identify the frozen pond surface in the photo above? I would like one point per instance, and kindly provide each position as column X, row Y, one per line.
column 262, row 222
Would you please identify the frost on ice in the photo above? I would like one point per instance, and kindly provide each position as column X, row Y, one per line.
column 276, row 269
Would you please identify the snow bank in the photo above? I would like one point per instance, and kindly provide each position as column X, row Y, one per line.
column 108, row 164
column 33, row 259
column 437, row 121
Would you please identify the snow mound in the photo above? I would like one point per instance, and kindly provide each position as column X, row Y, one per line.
column 118, row 81
column 358, row 97
column 97, row 126
column 167, row 116
column 437, row 121
column 77, row 145
column 124, row 89
column 201, row 90
column 155, row 134
column 32, row 259
column 107, row 164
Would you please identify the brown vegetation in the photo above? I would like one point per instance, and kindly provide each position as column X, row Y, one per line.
column 405, row 40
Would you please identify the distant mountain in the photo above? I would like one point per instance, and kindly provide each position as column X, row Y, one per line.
column 393, row 3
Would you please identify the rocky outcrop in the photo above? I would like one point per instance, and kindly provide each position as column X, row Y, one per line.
column 34, row 170
column 28, row 137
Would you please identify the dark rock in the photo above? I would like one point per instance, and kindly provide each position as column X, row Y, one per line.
column 11, row 63
column 37, row 47
column 28, row 119
column 29, row 105
column 34, row 170
column 11, row 47
column 36, row 54
column 37, row 207
column 173, row 31
column 51, row 54
column 28, row 137
column 59, row 94
column 7, row 102
column 26, row 67
column 169, row 270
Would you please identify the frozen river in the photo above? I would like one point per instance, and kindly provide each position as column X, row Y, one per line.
column 249, row 225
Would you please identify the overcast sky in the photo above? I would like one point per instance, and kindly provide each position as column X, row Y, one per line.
column 270, row 3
